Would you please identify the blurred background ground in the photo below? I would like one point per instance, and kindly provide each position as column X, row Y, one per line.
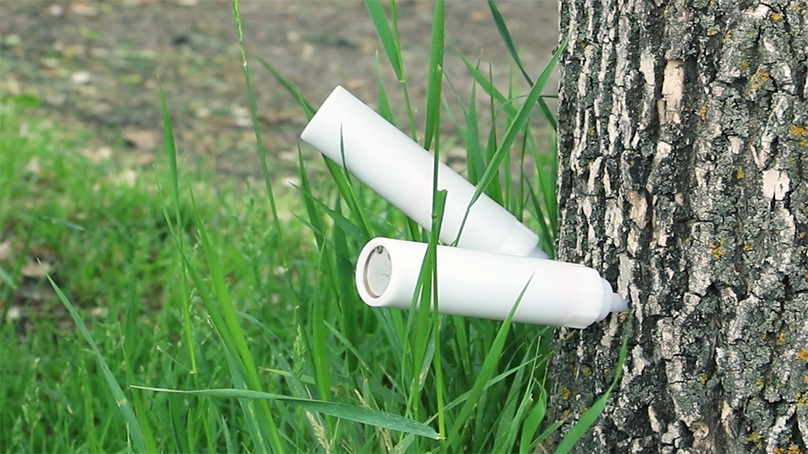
column 94, row 64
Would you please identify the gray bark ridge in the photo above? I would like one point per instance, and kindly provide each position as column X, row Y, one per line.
column 683, row 178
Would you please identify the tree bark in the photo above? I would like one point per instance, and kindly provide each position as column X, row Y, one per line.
column 683, row 178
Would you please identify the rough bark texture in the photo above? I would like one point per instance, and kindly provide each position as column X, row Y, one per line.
column 683, row 148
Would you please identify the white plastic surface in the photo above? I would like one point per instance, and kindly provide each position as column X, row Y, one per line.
column 399, row 170
column 486, row 285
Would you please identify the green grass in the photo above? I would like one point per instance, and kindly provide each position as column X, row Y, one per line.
column 210, row 321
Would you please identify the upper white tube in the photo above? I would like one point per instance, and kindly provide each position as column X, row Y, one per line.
column 486, row 285
column 400, row 170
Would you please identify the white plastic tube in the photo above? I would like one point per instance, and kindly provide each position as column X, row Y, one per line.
column 399, row 170
column 486, row 285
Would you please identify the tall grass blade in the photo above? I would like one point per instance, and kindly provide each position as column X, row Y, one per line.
column 435, row 81
column 89, row 400
column 347, row 192
column 547, row 113
column 262, row 153
column 343, row 184
column 506, row 38
column 129, row 335
column 177, row 413
column 290, row 87
column 228, row 438
column 248, row 407
column 590, row 415
column 469, row 134
column 437, row 215
column 548, row 184
column 340, row 178
column 426, row 294
column 403, row 446
column 63, row 223
column 504, row 102
column 504, row 168
column 519, row 196
column 430, row 283
column 490, row 383
column 495, row 189
column 132, row 424
column 533, row 421
column 348, row 345
column 311, row 209
column 346, row 292
column 474, row 149
column 215, row 315
column 344, row 223
column 242, row 352
column 318, row 347
column 385, row 110
column 510, row 416
column 295, row 383
column 171, row 152
column 351, row 194
column 547, row 239
column 361, row 415
column 488, row 87
column 423, row 301
column 239, row 347
column 519, row 122
column 315, row 223
column 486, row 372
column 511, row 425
column 547, row 432
column 389, row 42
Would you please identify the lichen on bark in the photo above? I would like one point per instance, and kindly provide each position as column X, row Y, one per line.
column 683, row 153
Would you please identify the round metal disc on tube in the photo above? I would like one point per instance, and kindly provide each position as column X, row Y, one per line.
column 378, row 268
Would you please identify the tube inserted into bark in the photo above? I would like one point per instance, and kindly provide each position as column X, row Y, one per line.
column 400, row 170
column 486, row 285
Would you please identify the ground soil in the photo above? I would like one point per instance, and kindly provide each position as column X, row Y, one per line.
column 95, row 64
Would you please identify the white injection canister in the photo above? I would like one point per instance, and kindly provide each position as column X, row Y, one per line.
column 486, row 285
column 400, row 170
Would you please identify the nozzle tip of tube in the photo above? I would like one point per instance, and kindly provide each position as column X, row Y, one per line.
column 619, row 304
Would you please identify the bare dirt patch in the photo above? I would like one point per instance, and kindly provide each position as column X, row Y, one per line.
column 95, row 64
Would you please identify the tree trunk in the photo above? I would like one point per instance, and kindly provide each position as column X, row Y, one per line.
column 683, row 155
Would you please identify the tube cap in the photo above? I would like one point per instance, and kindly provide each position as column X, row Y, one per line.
column 612, row 302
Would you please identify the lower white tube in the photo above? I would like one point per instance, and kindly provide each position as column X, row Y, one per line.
column 400, row 170
column 486, row 285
